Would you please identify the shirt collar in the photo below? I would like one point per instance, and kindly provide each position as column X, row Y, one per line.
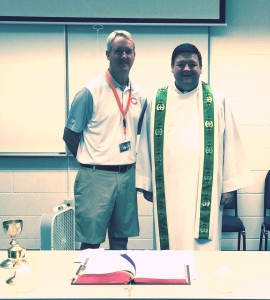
column 121, row 87
column 187, row 93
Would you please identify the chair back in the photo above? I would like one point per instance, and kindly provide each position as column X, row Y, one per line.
column 267, row 193
column 233, row 204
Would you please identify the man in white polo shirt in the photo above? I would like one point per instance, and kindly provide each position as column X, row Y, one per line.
column 101, row 131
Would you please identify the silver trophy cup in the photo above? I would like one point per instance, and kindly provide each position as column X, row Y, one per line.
column 13, row 228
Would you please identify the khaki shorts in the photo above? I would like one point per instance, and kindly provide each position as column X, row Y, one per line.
column 105, row 200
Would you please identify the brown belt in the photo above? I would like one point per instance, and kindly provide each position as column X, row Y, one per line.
column 115, row 168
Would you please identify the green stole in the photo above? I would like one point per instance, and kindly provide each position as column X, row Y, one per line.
column 203, row 226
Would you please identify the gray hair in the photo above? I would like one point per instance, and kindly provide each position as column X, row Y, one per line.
column 116, row 33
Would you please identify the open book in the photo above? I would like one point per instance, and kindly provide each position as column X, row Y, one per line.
column 134, row 266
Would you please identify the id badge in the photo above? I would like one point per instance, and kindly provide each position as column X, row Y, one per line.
column 126, row 146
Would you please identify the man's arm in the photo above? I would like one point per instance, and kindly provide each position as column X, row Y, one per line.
column 72, row 140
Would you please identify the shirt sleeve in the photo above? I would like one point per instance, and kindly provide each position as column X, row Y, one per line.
column 81, row 111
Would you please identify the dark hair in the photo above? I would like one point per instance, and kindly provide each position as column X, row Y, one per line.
column 186, row 48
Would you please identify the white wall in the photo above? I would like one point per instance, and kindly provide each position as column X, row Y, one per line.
column 239, row 66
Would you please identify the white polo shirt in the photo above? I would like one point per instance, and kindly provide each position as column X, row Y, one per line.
column 96, row 114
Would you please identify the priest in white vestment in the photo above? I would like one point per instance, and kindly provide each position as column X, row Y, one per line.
column 190, row 158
